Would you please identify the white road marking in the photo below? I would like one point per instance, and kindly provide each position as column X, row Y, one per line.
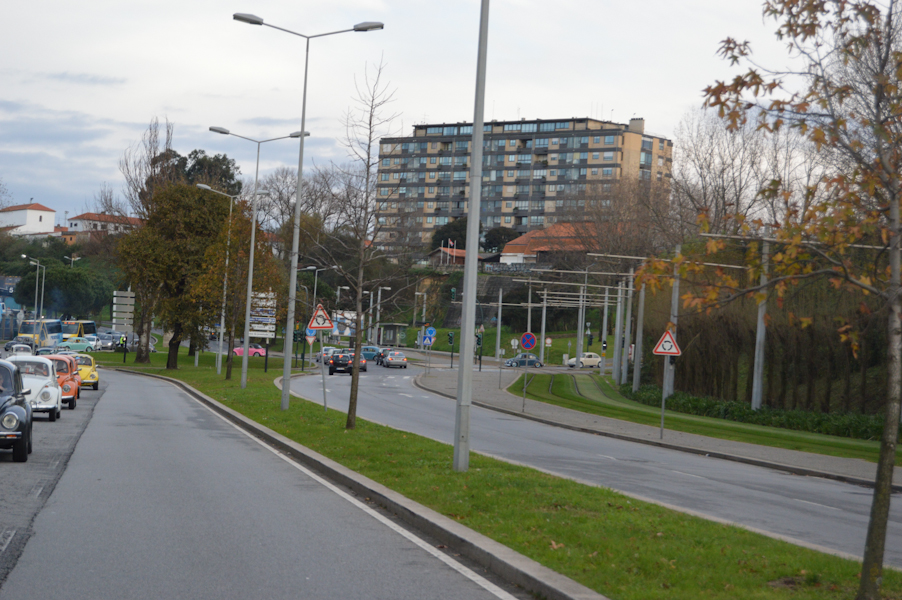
column 816, row 504
column 406, row 395
column 472, row 576
column 689, row 474
column 5, row 538
column 607, row 457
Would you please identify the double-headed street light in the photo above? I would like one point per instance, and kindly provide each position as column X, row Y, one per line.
column 72, row 260
column 225, row 279
column 37, row 275
column 293, row 274
column 250, row 266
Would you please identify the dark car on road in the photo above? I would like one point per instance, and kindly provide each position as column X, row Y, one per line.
column 524, row 359
column 19, row 339
column 15, row 413
column 379, row 356
column 344, row 361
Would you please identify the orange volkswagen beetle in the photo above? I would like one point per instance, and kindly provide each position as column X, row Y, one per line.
column 67, row 377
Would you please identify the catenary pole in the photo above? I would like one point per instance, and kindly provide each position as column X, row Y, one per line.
column 461, row 460
column 627, row 332
column 615, row 367
column 758, row 369
column 637, row 355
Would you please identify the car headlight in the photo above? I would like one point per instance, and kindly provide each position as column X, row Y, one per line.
column 45, row 395
column 10, row 421
column 66, row 387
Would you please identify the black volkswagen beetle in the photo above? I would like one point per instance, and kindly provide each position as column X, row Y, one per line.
column 15, row 413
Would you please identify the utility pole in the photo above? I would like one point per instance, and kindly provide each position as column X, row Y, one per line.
column 628, row 329
column 758, row 369
column 542, row 335
column 669, row 364
column 637, row 355
column 498, row 329
column 617, row 336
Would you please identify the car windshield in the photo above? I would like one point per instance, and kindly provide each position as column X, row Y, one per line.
column 6, row 380
column 83, row 360
column 61, row 366
column 34, row 368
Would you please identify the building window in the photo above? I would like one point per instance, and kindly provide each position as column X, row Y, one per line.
column 433, row 130
column 431, row 190
column 383, row 177
column 382, row 192
column 386, row 162
column 646, row 144
column 542, row 143
column 466, row 130
column 609, row 140
column 660, row 161
column 607, row 172
column 449, row 131
column 596, row 139
column 594, row 171
column 512, row 127
column 507, row 219
column 429, row 220
column 608, row 156
column 661, row 145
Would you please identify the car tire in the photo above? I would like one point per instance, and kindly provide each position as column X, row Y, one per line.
column 405, row 366
column 537, row 364
column 87, row 350
column 72, row 404
column 52, row 415
column 331, row 371
column 95, row 386
column 20, row 450
column 581, row 364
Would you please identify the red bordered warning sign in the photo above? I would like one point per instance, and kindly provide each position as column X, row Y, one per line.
column 320, row 320
column 667, row 346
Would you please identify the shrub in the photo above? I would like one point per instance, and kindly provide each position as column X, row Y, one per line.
column 850, row 425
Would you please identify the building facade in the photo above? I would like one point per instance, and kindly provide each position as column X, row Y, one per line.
column 28, row 220
column 535, row 173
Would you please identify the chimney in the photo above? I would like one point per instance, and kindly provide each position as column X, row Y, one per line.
column 637, row 125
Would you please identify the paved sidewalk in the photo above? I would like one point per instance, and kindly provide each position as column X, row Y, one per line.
column 487, row 394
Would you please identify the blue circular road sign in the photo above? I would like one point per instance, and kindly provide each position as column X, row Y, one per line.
column 311, row 332
column 528, row 341
column 430, row 331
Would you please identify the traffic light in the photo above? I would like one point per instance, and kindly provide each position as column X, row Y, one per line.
column 590, row 339
column 478, row 340
column 451, row 337
column 453, row 294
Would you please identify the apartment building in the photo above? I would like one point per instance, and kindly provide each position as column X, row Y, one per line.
column 535, row 173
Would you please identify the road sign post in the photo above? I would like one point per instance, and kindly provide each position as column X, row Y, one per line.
column 320, row 322
column 668, row 347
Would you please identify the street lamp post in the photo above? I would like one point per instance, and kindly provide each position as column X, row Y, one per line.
column 225, row 279
column 379, row 316
column 250, row 266
column 370, row 315
column 295, row 239
column 72, row 260
column 423, row 326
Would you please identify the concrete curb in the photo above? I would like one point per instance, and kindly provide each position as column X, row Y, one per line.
column 795, row 470
column 494, row 557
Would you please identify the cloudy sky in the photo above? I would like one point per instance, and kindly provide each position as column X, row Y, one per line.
column 80, row 81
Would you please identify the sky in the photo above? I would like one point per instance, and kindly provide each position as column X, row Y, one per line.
column 80, row 81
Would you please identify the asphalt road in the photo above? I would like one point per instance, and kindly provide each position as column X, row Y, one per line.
column 818, row 512
column 162, row 498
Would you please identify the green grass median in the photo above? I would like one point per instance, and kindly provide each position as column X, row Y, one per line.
column 620, row 547
column 592, row 394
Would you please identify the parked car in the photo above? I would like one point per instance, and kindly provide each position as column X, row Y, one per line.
column 76, row 344
column 87, row 371
column 252, row 350
column 40, row 380
column 22, row 350
column 344, row 361
column 393, row 358
column 524, row 359
column 19, row 339
column 67, row 377
column 589, row 359
column 15, row 413
column 380, row 356
column 44, row 351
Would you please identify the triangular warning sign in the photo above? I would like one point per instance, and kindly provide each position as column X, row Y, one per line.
column 667, row 345
column 320, row 320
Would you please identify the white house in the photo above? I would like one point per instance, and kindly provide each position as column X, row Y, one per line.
column 102, row 222
column 28, row 219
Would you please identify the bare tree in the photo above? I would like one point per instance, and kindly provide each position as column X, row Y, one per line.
column 351, row 246
column 5, row 197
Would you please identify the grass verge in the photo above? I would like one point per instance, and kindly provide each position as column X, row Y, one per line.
column 623, row 548
column 595, row 395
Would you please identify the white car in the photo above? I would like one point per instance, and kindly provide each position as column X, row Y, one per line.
column 327, row 352
column 39, row 377
column 589, row 359
column 21, row 350
column 95, row 341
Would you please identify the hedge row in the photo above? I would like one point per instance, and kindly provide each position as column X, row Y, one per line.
column 850, row 425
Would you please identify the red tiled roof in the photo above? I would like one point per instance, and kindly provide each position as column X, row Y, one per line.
column 105, row 218
column 32, row 206
column 560, row 237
